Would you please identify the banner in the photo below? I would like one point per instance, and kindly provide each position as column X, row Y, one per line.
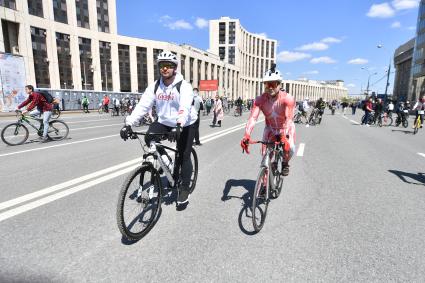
column 12, row 82
column 208, row 85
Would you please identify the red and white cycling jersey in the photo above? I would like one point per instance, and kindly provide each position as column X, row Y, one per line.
column 279, row 112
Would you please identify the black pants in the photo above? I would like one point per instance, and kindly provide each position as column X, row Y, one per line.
column 196, row 128
column 86, row 108
column 184, row 146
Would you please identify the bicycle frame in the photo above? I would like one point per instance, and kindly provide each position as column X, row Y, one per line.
column 26, row 119
column 153, row 151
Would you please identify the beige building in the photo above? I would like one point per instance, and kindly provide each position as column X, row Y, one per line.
column 73, row 44
column 328, row 90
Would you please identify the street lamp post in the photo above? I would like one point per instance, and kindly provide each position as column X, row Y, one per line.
column 368, row 79
column 388, row 72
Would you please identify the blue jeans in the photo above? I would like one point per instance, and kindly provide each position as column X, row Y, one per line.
column 46, row 119
column 366, row 118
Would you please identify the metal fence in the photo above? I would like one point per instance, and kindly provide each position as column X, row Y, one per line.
column 71, row 99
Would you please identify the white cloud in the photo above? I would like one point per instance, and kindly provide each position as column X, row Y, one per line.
column 288, row 56
column 411, row 28
column 317, row 46
column 331, row 40
column 324, row 60
column 315, row 72
column 405, row 4
column 179, row 24
column 262, row 34
column 351, row 85
column 383, row 10
column 201, row 23
column 165, row 18
column 396, row 25
column 358, row 61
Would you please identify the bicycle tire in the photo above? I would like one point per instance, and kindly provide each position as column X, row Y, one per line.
column 58, row 130
column 56, row 114
column 276, row 179
column 226, row 110
column 388, row 121
column 194, row 176
column 18, row 127
column 405, row 123
column 258, row 199
column 416, row 127
column 142, row 198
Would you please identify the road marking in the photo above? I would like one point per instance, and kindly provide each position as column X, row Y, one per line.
column 225, row 132
column 345, row 117
column 355, row 122
column 58, row 145
column 103, row 126
column 88, row 121
column 29, row 206
column 66, row 184
column 421, row 154
column 300, row 151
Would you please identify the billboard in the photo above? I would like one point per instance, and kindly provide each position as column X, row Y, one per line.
column 208, row 85
column 12, row 81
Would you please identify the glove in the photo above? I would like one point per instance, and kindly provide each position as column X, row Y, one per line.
column 174, row 135
column 245, row 143
column 126, row 132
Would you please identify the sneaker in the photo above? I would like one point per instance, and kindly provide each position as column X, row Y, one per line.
column 44, row 140
column 183, row 196
column 198, row 143
column 285, row 169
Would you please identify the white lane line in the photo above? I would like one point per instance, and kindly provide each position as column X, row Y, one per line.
column 355, row 122
column 421, row 154
column 58, row 145
column 94, row 127
column 300, row 151
column 345, row 117
column 88, row 121
column 66, row 184
column 26, row 207
column 223, row 133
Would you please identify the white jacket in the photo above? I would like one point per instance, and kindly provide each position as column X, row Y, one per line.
column 172, row 107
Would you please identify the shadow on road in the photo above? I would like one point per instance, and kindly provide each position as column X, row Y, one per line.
column 128, row 242
column 403, row 131
column 245, row 215
column 410, row 177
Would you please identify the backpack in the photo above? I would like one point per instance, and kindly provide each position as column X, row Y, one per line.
column 208, row 103
column 46, row 95
column 364, row 106
column 178, row 86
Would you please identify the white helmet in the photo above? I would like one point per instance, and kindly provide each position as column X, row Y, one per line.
column 272, row 75
column 307, row 98
column 167, row 56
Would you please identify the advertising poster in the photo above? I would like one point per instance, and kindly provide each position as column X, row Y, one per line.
column 12, row 81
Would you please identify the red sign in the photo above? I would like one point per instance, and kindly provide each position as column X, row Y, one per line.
column 208, row 85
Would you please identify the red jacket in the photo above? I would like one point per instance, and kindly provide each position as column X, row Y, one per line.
column 36, row 100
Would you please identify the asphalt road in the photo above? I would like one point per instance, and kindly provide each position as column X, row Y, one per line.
column 352, row 209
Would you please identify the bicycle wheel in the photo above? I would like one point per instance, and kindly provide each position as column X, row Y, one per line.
column 194, row 176
column 405, row 123
column 139, row 202
column 100, row 110
column 260, row 201
column 14, row 134
column 226, row 110
column 276, row 178
column 387, row 121
column 58, row 130
column 416, row 127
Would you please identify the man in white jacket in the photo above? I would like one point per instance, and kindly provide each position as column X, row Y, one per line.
column 173, row 97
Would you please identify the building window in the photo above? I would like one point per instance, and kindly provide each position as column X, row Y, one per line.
column 10, row 36
column 102, row 15
column 124, row 67
column 11, row 4
column 86, row 61
column 142, row 68
column 82, row 10
column 183, row 65
column 64, row 60
column 257, row 68
column 267, row 49
column 59, row 10
column 199, row 70
column 232, row 55
column 272, row 51
column 222, row 33
column 105, row 65
column 155, row 65
column 212, row 72
column 262, row 49
column 258, row 47
column 41, row 62
column 222, row 53
column 206, row 71
column 218, row 74
column 232, row 32
column 35, row 7
column 191, row 69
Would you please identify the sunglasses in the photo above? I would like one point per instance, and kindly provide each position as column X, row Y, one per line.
column 271, row 84
column 166, row 65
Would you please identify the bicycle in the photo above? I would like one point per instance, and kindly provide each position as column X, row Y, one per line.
column 237, row 111
column 385, row 120
column 315, row 117
column 269, row 181
column 226, row 110
column 299, row 117
column 404, row 119
column 146, row 197
column 417, row 125
column 17, row 133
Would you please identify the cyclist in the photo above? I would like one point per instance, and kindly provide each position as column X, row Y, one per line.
column 379, row 109
column 173, row 97
column 117, row 105
column 304, row 107
column 238, row 105
column 85, row 103
column 105, row 103
column 419, row 106
column 278, row 108
column 321, row 105
column 36, row 100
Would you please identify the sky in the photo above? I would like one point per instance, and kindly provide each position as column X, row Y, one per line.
column 318, row 40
